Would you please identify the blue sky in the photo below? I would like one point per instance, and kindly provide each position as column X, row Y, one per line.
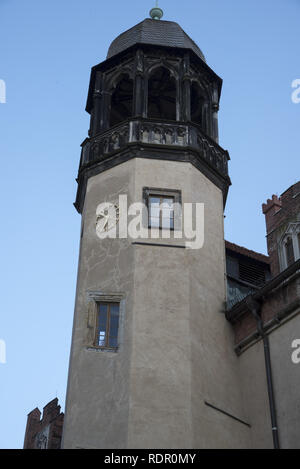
column 47, row 49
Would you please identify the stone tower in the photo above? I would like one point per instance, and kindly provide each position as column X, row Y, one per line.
column 152, row 363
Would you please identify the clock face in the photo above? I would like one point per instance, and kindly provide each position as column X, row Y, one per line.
column 107, row 218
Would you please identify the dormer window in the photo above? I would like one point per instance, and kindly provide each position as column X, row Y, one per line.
column 289, row 247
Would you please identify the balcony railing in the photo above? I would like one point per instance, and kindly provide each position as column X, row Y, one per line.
column 185, row 135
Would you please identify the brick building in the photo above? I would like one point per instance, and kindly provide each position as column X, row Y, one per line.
column 45, row 432
column 283, row 233
column 266, row 311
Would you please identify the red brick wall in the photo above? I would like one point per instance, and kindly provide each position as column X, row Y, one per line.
column 279, row 212
column 52, row 417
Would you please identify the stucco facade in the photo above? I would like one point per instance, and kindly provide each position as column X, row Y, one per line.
column 175, row 345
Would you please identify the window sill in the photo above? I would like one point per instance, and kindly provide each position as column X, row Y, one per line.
column 160, row 228
column 94, row 348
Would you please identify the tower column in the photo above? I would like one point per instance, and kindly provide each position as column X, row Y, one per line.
column 101, row 106
column 97, row 113
column 106, row 106
column 215, row 110
column 186, row 86
column 139, row 86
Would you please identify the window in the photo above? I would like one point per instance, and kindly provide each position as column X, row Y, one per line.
column 161, row 212
column 162, row 95
column 107, row 325
column 163, row 207
column 198, row 108
column 121, row 101
column 289, row 246
column 289, row 251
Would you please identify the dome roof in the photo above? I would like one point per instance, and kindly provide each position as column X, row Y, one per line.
column 154, row 32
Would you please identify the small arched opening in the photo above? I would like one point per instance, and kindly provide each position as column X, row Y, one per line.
column 162, row 95
column 198, row 108
column 121, row 101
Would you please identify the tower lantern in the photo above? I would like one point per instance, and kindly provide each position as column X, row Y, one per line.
column 155, row 88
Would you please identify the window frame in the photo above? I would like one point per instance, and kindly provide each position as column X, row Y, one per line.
column 149, row 192
column 289, row 250
column 107, row 330
column 93, row 301
column 293, row 233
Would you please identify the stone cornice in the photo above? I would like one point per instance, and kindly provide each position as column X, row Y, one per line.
column 149, row 151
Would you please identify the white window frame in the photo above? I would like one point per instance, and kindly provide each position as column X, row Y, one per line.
column 149, row 192
column 292, row 232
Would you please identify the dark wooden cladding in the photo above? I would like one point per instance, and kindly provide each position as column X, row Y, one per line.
column 146, row 131
column 252, row 273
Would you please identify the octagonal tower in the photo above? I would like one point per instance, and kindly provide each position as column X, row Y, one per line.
column 151, row 358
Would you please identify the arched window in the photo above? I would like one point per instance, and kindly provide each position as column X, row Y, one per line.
column 121, row 101
column 162, row 95
column 289, row 251
column 198, row 112
column 289, row 247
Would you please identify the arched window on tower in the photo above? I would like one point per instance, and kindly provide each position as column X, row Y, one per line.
column 198, row 109
column 162, row 95
column 122, row 101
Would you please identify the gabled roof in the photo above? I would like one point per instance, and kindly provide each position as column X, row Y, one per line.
column 247, row 252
